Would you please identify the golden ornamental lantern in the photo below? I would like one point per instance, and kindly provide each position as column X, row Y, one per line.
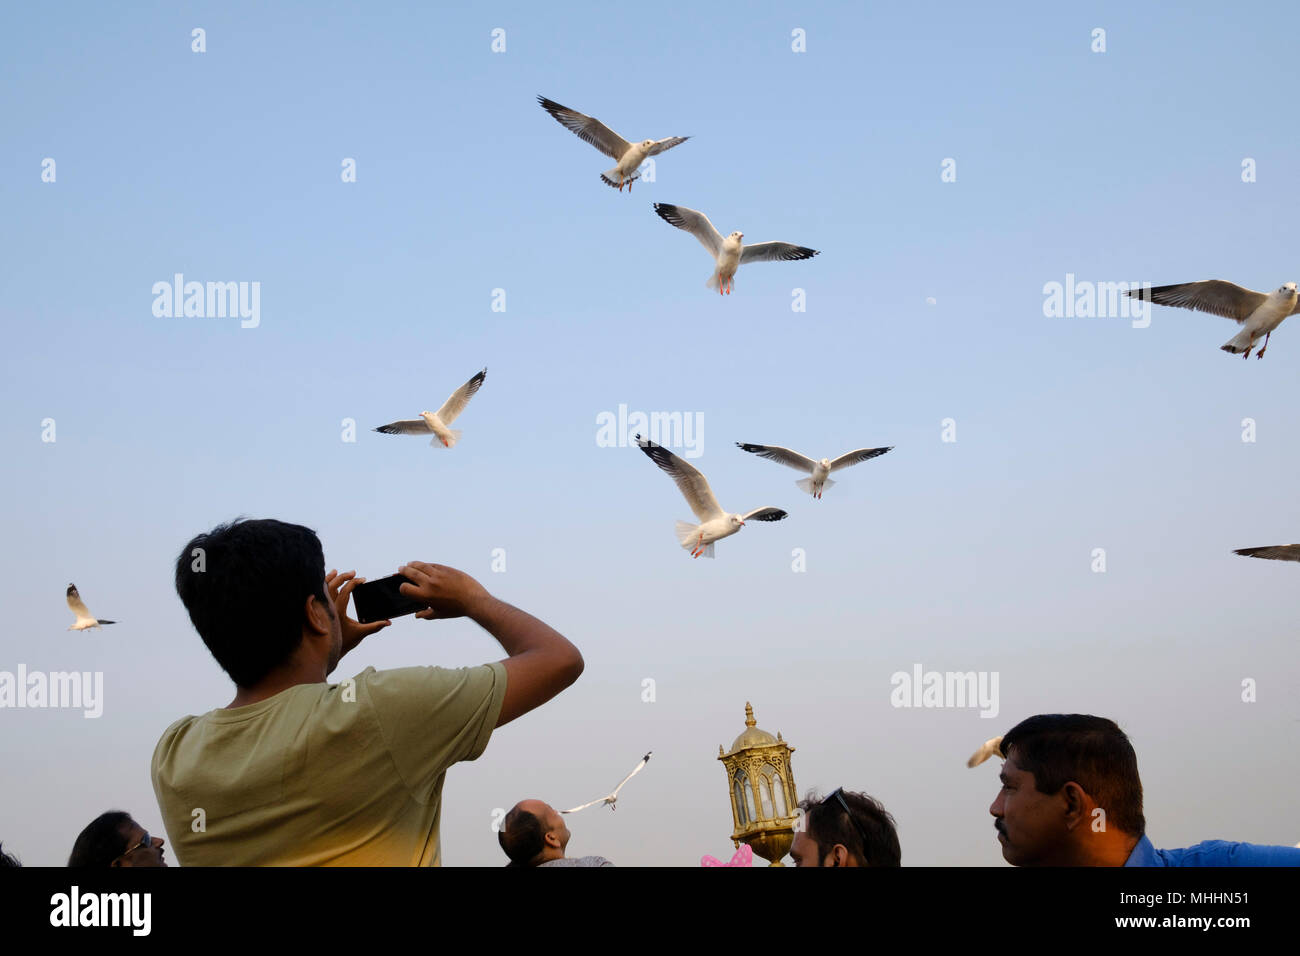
column 763, row 801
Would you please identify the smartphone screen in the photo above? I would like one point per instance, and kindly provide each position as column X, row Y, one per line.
column 381, row 600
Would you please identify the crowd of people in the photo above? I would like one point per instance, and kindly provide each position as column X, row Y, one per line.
column 298, row 771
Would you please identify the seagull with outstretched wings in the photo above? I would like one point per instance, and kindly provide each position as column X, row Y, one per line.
column 435, row 423
column 85, row 620
column 819, row 470
column 629, row 156
column 612, row 798
column 1258, row 313
column 715, row 524
column 729, row 253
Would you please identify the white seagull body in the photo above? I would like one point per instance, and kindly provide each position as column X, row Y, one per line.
column 729, row 253
column 991, row 748
column 436, row 423
column 629, row 156
column 819, row 470
column 715, row 524
column 85, row 620
column 612, row 798
column 1278, row 552
column 1258, row 313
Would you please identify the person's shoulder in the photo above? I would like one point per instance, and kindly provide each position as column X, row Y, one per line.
column 463, row 701
column 425, row 678
column 1231, row 853
column 176, row 730
column 578, row 861
column 179, row 726
column 171, row 738
column 419, row 671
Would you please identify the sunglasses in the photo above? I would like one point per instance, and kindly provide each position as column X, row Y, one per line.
column 838, row 794
column 146, row 841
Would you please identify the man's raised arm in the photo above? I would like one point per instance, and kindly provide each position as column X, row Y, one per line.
column 541, row 661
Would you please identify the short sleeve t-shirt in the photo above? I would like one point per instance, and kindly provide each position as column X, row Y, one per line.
column 346, row 774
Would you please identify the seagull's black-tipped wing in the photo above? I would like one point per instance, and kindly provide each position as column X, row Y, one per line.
column 411, row 426
column 784, row 456
column 456, row 403
column 859, row 455
column 1214, row 296
column 1276, row 552
column 693, row 485
column 694, row 222
column 775, row 252
column 588, row 129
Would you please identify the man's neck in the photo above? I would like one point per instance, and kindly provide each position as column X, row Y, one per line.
column 292, row 674
column 1112, row 848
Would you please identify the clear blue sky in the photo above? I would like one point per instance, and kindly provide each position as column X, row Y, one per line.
column 1073, row 434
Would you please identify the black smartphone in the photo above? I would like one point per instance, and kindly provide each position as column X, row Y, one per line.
column 381, row 600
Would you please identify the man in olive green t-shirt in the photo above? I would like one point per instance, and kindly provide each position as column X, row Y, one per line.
column 299, row 772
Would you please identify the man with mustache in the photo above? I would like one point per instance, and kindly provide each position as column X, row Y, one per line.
column 1071, row 796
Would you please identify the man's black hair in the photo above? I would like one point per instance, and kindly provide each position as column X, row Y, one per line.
column 103, row 840
column 522, row 836
column 7, row 860
column 1091, row 751
column 244, row 585
column 872, row 842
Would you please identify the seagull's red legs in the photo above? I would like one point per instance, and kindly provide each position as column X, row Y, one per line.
column 1260, row 353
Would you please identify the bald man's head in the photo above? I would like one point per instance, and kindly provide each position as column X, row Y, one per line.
column 532, row 833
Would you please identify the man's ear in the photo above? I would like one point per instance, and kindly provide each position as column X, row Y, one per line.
column 552, row 839
column 839, row 855
column 317, row 615
column 1077, row 802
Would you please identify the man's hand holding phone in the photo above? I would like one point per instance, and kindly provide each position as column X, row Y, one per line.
column 340, row 587
column 446, row 591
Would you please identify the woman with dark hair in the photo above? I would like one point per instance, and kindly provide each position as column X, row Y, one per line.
column 115, row 839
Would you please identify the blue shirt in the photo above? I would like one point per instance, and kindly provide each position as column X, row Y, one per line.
column 1214, row 853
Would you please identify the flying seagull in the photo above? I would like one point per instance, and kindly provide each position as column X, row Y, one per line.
column 715, row 524
column 1278, row 552
column 435, row 423
column 1258, row 313
column 818, row 469
column 992, row 748
column 85, row 620
column 730, row 253
column 629, row 156
column 613, row 797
